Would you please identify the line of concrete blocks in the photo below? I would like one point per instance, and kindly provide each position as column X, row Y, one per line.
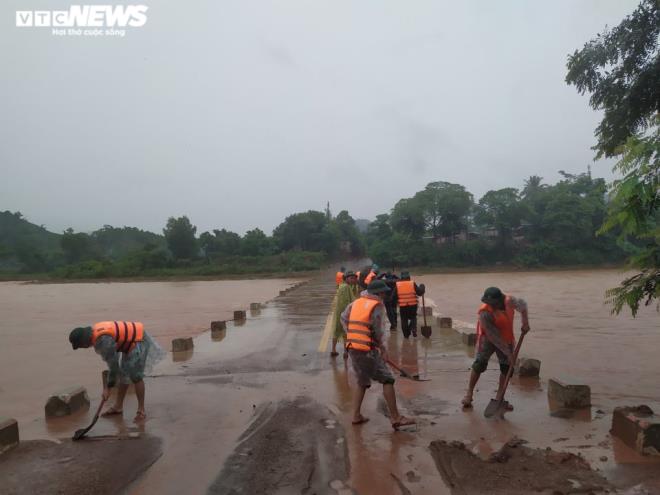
column 284, row 292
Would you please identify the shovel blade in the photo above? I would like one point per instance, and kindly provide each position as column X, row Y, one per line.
column 494, row 408
column 80, row 433
column 426, row 331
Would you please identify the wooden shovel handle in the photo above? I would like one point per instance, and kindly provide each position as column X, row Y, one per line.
column 424, row 310
column 512, row 365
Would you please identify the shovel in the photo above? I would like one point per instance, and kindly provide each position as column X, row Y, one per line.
column 405, row 374
column 496, row 406
column 426, row 330
column 83, row 431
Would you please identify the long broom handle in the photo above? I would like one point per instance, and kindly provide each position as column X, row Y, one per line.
column 512, row 365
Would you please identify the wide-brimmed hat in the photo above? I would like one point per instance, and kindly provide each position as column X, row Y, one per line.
column 349, row 273
column 377, row 287
column 492, row 295
column 405, row 274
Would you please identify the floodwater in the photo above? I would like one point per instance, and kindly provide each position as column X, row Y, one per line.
column 36, row 359
column 573, row 332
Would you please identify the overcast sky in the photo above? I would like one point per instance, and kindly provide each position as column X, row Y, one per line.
column 238, row 113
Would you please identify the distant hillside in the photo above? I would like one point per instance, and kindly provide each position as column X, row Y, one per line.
column 30, row 248
column 16, row 232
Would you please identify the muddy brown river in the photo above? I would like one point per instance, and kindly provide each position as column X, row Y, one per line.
column 36, row 359
column 573, row 332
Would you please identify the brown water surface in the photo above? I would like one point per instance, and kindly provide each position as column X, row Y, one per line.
column 573, row 332
column 36, row 359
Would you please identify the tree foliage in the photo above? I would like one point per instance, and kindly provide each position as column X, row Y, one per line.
column 621, row 70
column 180, row 236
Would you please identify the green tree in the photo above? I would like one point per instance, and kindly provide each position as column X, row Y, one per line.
column 407, row 218
column 308, row 231
column 180, row 236
column 621, row 70
column 379, row 228
column 77, row 247
column 445, row 207
column 635, row 212
column 500, row 210
column 348, row 232
column 256, row 243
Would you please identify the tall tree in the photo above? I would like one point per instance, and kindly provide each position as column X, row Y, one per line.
column 180, row 236
column 501, row 210
column 621, row 70
column 407, row 218
column 445, row 207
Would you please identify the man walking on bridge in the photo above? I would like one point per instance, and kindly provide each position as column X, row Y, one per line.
column 495, row 335
column 138, row 352
column 364, row 322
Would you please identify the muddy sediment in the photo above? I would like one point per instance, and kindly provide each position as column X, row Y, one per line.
column 515, row 469
column 88, row 467
column 291, row 447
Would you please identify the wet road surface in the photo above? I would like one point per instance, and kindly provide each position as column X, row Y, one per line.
column 257, row 409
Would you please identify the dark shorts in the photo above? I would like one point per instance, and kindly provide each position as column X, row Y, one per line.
column 370, row 366
column 484, row 351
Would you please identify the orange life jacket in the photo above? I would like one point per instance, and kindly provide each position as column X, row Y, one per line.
column 360, row 333
column 125, row 333
column 339, row 278
column 368, row 279
column 503, row 320
column 405, row 291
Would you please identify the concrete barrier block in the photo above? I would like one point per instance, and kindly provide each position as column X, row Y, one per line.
column 66, row 402
column 445, row 322
column 638, row 427
column 8, row 434
column 282, row 293
column 529, row 367
column 182, row 344
column 569, row 395
column 218, row 334
column 239, row 315
column 469, row 338
column 255, row 306
column 218, row 325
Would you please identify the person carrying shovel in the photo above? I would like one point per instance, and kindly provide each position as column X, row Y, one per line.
column 365, row 322
column 129, row 352
column 495, row 335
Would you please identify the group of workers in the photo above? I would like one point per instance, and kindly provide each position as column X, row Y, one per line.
column 366, row 298
column 366, row 302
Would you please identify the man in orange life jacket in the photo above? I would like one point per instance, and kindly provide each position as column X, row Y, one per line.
column 406, row 294
column 339, row 276
column 364, row 321
column 112, row 339
column 495, row 335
